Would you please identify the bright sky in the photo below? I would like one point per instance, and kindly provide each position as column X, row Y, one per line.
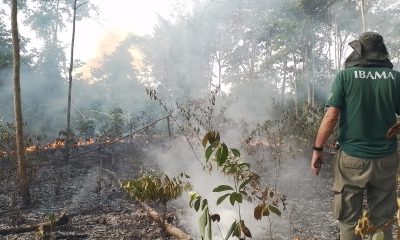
column 116, row 19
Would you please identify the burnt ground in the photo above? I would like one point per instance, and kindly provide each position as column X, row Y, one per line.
column 98, row 209
column 95, row 205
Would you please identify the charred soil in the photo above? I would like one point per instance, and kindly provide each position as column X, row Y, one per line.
column 91, row 198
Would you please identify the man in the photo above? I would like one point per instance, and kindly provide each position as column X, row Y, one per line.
column 366, row 95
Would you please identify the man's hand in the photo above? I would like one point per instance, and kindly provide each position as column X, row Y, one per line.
column 316, row 162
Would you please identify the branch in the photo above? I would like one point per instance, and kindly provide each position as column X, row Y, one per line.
column 60, row 220
column 119, row 139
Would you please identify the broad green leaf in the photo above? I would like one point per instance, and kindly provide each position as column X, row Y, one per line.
column 224, row 155
column 235, row 197
column 209, row 151
column 235, row 152
column 204, row 204
column 208, row 226
column 203, row 220
column 218, row 156
column 239, row 197
column 222, row 198
column 230, row 231
column 197, row 204
column 244, row 183
column 238, row 230
column 275, row 210
column 232, row 199
column 222, row 188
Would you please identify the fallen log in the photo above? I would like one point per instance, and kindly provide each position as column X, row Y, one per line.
column 48, row 225
column 171, row 229
column 153, row 214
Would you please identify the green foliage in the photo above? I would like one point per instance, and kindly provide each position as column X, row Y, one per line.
column 154, row 188
column 292, row 130
column 7, row 139
column 228, row 162
column 137, row 120
column 114, row 125
column 73, row 141
column 85, row 125
column 5, row 46
column 206, row 218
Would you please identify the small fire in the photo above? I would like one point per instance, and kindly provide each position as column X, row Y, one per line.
column 56, row 144
column 59, row 143
column 85, row 142
column 32, row 148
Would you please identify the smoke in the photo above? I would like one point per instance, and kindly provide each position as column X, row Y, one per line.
column 172, row 163
column 105, row 46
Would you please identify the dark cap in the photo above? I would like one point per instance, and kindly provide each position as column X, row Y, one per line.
column 370, row 46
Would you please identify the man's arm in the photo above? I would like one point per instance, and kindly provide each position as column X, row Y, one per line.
column 325, row 130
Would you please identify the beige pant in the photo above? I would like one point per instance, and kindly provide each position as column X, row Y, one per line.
column 353, row 176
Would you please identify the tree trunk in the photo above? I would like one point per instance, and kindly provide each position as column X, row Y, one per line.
column 296, row 78
column 308, row 62
column 307, row 71
column 283, row 89
column 363, row 7
column 22, row 176
column 71, row 66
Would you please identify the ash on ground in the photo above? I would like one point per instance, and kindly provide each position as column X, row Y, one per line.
column 90, row 196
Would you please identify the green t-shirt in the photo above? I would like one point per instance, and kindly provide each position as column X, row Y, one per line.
column 369, row 99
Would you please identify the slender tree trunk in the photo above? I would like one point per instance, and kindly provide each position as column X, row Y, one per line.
column 308, row 64
column 218, row 59
column 313, row 81
column 283, row 90
column 22, row 176
column 307, row 71
column 296, row 78
column 71, row 66
column 219, row 75
column 363, row 7
column 55, row 36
